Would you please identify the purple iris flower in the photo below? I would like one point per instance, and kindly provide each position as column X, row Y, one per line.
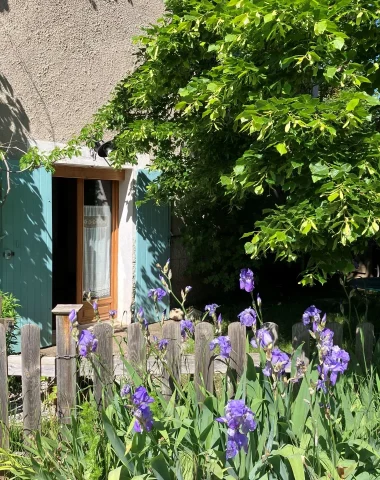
column 87, row 343
column 248, row 317
column 311, row 314
column 263, row 339
column 157, row 293
column 211, row 308
column 280, row 361
column 112, row 313
column 162, row 344
column 95, row 306
column 73, row 316
column 144, row 419
column 126, row 390
column 219, row 320
column 187, row 327
column 240, row 421
column 188, row 289
column 224, row 344
column 321, row 385
column 334, row 363
column 141, row 396
column 246, row 280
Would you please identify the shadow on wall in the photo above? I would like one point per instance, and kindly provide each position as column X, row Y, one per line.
column 4, row 6
column 25, row 221
column 152, row 247
column 95, row 6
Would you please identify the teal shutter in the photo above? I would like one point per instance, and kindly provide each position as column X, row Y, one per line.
column 152, row 246
column 27, row 233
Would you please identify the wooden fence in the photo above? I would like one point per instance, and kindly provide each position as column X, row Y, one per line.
column 64, row 367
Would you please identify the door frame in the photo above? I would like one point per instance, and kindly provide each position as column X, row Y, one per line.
column 81, row 174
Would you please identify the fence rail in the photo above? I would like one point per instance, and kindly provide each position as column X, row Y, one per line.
column 64, row 367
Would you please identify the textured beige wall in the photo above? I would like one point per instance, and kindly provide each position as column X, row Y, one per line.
column 60, row 59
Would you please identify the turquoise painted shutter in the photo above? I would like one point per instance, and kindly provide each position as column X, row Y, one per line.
column 152, row 246
column 27, row 231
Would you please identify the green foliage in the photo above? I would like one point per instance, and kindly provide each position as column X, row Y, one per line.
column 9, row 310
column 79, row 451
column 274, row 101
column 301, row 434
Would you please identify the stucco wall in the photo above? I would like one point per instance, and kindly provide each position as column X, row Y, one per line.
column 59, row 61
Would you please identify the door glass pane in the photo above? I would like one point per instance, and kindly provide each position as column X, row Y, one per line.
column 97, row 237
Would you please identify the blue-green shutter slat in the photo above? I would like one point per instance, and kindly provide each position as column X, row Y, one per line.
column 152, row 246
column 27, row 231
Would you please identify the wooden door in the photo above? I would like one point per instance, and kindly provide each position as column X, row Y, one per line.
column 97, row 246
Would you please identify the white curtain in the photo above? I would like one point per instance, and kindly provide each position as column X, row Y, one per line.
column 97, row 250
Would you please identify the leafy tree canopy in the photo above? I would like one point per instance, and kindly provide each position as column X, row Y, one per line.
column 273, row 100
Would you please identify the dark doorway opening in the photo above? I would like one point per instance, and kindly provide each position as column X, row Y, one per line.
column 64, row 240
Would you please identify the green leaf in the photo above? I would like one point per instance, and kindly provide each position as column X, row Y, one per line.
column 225, row 180
column 116, row 443
column 230, row 38
column 320, row 27
column 338, row 43
column 330, row 72
column 333, row 196
column 120, row 473
column 319, row 170
column 352, row 104
column 281, row 148
column 160, row 468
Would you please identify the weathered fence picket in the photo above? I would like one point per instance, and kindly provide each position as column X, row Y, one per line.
column 300, row 334
column 136, row 351
column 365, row 339
column 66, row 363
column 31, row 378
column 106, row 365
column 4, row 417
column 171, row 373
column 204, row 365
column 103, row 364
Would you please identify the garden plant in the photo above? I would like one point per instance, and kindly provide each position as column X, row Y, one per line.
column 283, row 420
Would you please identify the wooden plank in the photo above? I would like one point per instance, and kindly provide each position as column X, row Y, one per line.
column 103, row 364
column 365, row 339
column 204, row 364
column 187, row 365
column 80, row 236
column 66, row 370
column 88, row 173
column 337, row 328
column 136, row 348
column 4, row 417
column 300, row 334
column 31, row 378
column 237, row 334
column 171, row 372
column 66, row 309
column 114, row 244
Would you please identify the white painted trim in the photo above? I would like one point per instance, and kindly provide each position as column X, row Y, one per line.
column 87, row 158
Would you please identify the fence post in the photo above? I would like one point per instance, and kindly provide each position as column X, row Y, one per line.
column 172, row 370
column 66, row 363
column 136, row 347
column 4, row 418
column 238, row 358
column 300, row 333
column 364, row 344
column 31, row 378
column 204, row 359
column 103, row 364
column 337, row 328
